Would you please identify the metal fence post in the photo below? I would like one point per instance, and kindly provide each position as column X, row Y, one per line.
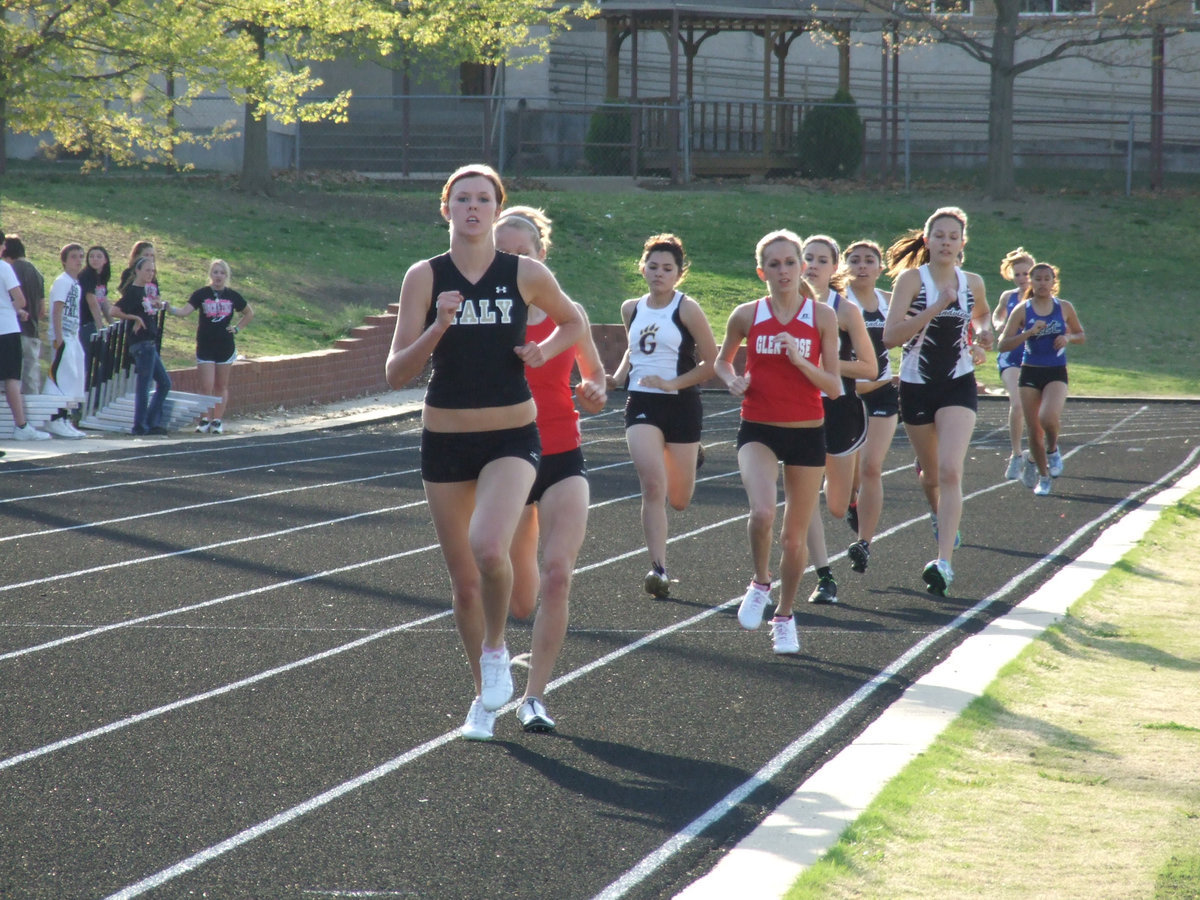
column 907, row 152
column 1129, row 159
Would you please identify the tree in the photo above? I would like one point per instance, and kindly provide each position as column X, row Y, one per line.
column 94, row 73
column 1044, row 38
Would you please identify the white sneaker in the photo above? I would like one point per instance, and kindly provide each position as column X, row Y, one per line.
column 750, row 613
column 1029, row 472
column 784, row 637
column 1013, row 472
column 62, row 428
column 78, row 432
column 1055, row 463
column 1043, row 486
column 28, row 433
column 480, row 723
column 215, row 427
column 202, row 428
column 496, row 673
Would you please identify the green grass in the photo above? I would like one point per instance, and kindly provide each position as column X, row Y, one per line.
column 317, row 256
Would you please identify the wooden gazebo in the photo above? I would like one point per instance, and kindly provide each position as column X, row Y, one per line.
column 762, row 138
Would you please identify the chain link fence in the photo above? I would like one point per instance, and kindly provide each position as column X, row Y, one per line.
column 418, row 135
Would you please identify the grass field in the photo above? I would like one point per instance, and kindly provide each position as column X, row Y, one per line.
column 316, row 257
column 1078, row 770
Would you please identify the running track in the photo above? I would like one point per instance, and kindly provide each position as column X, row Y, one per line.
column 229, row 668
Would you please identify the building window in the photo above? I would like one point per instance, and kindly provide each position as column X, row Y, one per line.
column 940, row 7
column 1059, row 7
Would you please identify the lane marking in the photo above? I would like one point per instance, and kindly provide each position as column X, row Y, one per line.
column 655, row 860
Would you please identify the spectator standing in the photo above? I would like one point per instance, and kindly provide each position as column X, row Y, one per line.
column 33, row 286
column 66, row 367
column 93, row 281
column 216, row 351
column 12, row 313
column 139, row 304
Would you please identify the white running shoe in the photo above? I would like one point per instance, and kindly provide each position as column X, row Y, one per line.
column 1055, row 463
column 202, row 428
column 495, row 670
column 784, row 637
column 62, row 428
column 1013, row 472
column 78, row 432
column 533, row 716
column 750, row 612
column 480, row 723
column 28, row 433
column 1043, row 486
column 1029, row 472
column 215, row 427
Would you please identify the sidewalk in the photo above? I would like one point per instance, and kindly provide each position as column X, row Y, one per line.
column 283, row 421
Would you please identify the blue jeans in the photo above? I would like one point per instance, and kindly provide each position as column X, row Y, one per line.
column 147, row 364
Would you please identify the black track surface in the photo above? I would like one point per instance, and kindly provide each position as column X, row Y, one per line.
column 185, row 710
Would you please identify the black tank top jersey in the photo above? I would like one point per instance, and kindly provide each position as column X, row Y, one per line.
column 474, row 365
column 845, row 347
column 875, row 322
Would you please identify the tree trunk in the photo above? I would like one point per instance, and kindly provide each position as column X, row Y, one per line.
column 1001, row 184
column 3, row 134
column 256, row 165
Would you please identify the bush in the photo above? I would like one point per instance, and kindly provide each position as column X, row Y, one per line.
column 609, row 126
column 831, row 140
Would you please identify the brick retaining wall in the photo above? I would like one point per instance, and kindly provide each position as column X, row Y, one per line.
column 352, row 367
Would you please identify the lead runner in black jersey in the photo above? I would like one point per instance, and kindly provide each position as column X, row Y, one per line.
column 465, row 310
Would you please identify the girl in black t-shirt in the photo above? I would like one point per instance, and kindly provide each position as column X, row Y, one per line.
column 139, row 305
column 215, row 349
column 94, row 311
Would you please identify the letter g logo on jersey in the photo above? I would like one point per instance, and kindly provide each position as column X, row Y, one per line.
column 648, row 340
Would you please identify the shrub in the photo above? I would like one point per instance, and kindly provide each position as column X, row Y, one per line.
column 831, row 142
column 609, row 126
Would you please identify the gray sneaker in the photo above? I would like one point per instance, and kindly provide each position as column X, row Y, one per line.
column 1055, row 462
column 1029, row 472
column 825, row 592
column 658, row 583
column 533, row 716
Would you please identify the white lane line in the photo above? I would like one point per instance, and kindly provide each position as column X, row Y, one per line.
column 194, row 506
column 652, row 862
column 190, row 475
column 689, row 833
column 215, row 692
column 119, row 458
column 128, row 623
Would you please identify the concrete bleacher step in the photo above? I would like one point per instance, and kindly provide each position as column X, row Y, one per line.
column 179, row 411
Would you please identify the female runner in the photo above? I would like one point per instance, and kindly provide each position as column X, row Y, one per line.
column 791, row 357
column 466, row 311
column 864, row 263
column 1045, row 325
column 845, row 414
column 1015, row 268
column 934, row 306
column 671, row 353
column 559, row 499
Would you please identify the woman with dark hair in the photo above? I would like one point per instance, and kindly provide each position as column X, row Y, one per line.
column 935, row 305
column 670, row 354
column 465, row 311
column 139, row 249
column 140, row 305
column 93, row 282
